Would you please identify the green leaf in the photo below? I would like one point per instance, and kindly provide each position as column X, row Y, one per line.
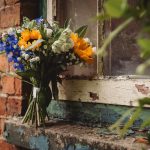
column 2, row 52
column 102, row 16
column 27, row 73
column 32, row 24
column 57, row 34
column 144, row 43
column 132, row 119
column 26, row 20
column 81, row 31
column 144, row 101
column 35, row 44
column 145, row 123
column 116, row 8
column 67, row 23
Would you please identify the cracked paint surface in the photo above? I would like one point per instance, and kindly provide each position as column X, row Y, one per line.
column 142, row 89
column 90, row 113
column 39, row 142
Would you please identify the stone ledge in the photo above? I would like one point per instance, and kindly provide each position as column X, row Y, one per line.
column 65, row 136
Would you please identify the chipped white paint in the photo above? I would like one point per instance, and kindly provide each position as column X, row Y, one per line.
column 108, row 91
column 51, row 10
column 119, row 91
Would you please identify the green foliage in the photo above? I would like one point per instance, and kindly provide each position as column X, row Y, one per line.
column 145, row 48
column 116, row 8
column 81, row 31
column 28, row 24
column 141, row 13
column 133, row 115
column 67, row 23
column 2, row 52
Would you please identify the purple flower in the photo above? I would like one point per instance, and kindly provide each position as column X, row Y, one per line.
column 39, row 20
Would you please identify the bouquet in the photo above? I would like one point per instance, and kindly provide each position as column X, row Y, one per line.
column 40, row 52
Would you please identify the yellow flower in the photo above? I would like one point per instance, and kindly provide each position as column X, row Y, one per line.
column 22, row 43
column 35, row 34
column 82, row 48
column 25, row 35
column 28, row 38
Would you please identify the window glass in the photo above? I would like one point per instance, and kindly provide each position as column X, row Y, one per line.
column 81, row 12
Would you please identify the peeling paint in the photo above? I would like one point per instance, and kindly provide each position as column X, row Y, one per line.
column 107, row 91
column 39, row 142
column 92, row 114
column 93, row 95
column 66, row 136
column 78, row 147
column 142, row 89
column 20, row 130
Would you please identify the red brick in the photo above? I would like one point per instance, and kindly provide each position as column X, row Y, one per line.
column 11, row 67
column 6, row 146
column 2, row 3
column 11, row 2
column 8, row 85
column 3, row 105
column 2, row 120
column 14, row 105
column 4, row 66
column 10, row 16
column 18, row 87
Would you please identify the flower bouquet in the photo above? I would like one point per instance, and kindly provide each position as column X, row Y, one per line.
column 40, row 52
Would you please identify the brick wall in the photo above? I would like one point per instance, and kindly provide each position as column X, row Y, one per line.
column 11, row 92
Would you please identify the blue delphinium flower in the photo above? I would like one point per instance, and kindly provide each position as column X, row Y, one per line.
column 2, row 46
column 8, row 43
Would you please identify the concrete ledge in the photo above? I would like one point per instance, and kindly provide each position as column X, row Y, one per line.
column 65, row 136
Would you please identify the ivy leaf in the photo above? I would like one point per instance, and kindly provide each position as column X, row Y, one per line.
column 81, row 31
column 115, row 8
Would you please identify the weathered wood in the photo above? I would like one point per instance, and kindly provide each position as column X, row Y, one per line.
column 43, row 8
column 51, row 10
column 118, row 91
column 92, row 114
column 64, row 136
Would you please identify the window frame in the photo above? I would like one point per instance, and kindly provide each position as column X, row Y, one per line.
column 119, row 90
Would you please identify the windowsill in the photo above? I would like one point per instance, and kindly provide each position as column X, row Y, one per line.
column 120, row 90
column 60, row 135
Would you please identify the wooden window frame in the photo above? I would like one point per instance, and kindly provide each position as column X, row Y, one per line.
column 120, row 90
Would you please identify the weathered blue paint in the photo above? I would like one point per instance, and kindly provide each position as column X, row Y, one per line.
column 65, row 136
column 78, row 147
column 20, row 130
column 39, row 142
column 90, row 113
